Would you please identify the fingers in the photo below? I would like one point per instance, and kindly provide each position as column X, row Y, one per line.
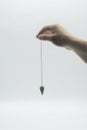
column 42, row 31
column 45, row 36
column 46, row 33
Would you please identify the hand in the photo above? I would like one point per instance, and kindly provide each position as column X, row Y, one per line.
column 54, row 33
column 60, row 37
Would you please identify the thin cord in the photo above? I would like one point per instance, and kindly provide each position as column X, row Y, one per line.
column 41, row 60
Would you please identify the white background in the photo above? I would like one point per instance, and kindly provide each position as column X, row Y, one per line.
column 64, row 103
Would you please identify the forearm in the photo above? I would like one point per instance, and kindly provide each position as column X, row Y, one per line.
column 79, row 47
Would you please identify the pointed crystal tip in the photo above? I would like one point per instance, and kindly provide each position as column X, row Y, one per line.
column 42, row 89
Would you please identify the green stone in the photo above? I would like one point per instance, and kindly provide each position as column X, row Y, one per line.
column 42, row 90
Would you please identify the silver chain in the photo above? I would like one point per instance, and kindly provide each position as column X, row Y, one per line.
column 41, row 60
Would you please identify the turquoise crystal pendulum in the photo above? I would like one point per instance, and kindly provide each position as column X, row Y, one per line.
column 41, row 87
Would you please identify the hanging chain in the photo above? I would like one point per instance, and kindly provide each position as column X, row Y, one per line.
column 41, row 60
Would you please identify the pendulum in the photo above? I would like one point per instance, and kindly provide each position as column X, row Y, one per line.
column 41, row 87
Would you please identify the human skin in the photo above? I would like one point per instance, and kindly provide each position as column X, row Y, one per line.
column 59, row 36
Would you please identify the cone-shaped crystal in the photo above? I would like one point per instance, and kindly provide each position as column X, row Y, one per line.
column 42, row 90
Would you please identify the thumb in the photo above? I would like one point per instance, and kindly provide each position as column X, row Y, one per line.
column 45, row 36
